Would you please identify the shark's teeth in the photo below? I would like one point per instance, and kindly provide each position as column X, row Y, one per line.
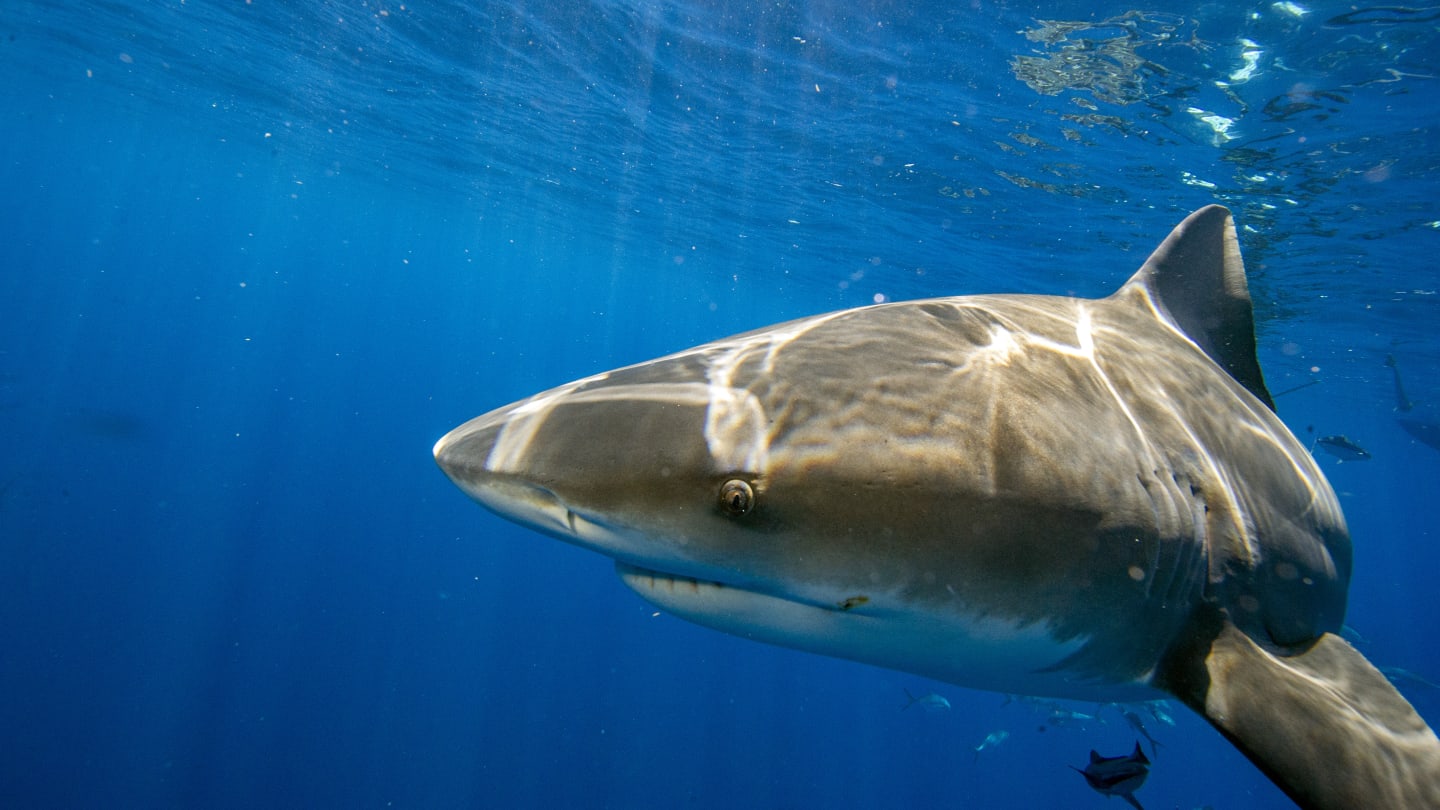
column 660, row 579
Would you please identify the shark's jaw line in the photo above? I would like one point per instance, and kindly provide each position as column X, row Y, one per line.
column 651, row 582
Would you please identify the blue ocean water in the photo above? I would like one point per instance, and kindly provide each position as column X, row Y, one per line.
column 257, row 257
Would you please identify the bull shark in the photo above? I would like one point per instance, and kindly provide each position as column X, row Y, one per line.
column 1055, row 496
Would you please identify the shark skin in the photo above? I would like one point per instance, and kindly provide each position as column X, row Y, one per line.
column 1030, row 494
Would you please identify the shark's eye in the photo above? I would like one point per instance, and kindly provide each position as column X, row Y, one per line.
column 736, row 497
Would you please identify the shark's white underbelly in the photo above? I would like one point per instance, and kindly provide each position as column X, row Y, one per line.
column 977, row 652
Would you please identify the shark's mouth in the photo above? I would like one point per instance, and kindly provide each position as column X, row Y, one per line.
column 644, row 580
column 672, row 590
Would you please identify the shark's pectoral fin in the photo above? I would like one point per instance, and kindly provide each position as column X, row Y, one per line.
column 1324, row 724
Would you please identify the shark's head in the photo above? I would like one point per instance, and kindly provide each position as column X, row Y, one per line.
column 742, row 486
column 647, row 467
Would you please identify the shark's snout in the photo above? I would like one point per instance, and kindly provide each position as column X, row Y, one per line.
column 466, row 455
column 629, row 463
column 464, row 452
column 516, row 498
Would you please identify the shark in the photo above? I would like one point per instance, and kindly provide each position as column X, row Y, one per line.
column 1045, row 495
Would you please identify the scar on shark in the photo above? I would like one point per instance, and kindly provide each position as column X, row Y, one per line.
column 1043, row 495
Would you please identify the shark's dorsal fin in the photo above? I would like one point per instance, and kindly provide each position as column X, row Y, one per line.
column 1197, row 279
column 1323, row 724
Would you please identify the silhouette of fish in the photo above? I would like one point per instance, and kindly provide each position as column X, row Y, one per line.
column 991, row 741
column 1341, row 447
column 1402, row 402
column 1398, row 674
column 1061, row 716
column 1137, row 723
column 1117, row 776
column 932, row 702
column 1427, row 433
column 1423, row 424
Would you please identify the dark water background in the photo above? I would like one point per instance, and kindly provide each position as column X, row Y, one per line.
column 256, row 257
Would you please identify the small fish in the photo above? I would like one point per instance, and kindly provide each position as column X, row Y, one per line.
column 1139, row 725
column 1160, row 710
column 992, row 740
column 1352, row 635
column 1060, row 716
column 1028, row 700
column 1397, row 674
column 1117, row 776
column 1341, row 447
column 931, row 703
